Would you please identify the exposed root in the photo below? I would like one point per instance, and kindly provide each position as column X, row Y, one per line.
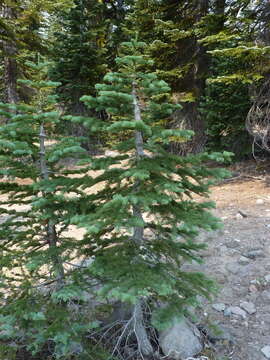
column 130, row 339
column 258, row 119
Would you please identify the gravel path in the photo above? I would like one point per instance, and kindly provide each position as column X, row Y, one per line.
column 238, row 258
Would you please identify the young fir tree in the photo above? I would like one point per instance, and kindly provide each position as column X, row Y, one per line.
column 145, row 220
column 38, row 199
column 138, row 216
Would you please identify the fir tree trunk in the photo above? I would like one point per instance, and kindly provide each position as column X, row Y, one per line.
column 138, row 231
column 10, row 74
column 189, row 116
column 10, row 65
column 144, row 344
column 50, row 231
column 220, row 7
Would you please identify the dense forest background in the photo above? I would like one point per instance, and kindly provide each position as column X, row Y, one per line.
column 213, row 54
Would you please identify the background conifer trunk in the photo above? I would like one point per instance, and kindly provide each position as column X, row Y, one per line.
column 10, row 65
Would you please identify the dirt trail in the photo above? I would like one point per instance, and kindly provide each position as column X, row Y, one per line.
column 238, row 258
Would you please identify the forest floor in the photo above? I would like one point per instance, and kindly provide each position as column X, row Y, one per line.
column 238, row 258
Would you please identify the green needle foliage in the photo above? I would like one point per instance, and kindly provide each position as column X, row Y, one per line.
column 146, row 220
column 137, row 213
column 38, row 199
column 224, row 108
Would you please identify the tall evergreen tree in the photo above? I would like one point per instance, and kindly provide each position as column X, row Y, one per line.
column 239, row 66
column 186, row 38
column 22, row 29
column 179, row 58
column 84, row 46
column 145, row 220
column 79, row 52
column 224, row 109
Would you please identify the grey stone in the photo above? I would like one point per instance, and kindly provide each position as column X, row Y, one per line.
column 233, row 244
column 181, row 340
column 243, row 213
column 249, row 307
column 219, row 307
column 239, row 216
column 239, row 291
column 254, row 254
column 255, row 282
column 236, row 310
column 243, row 260
column 266, row 351
column 266, row 296
column 227, row 312
column 253, row 297
column 267, row 278
column 232, row 268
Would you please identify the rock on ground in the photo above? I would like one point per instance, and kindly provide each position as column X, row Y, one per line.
column 266, row 351
column 235, row 310
column 249, row 307
column 219, row 307
column 180, row 341
column 254, row 254
column 243, row 260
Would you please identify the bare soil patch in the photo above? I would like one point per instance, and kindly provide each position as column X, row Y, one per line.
column 238, row 258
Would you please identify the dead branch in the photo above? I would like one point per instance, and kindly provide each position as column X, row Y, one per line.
column 258, row 118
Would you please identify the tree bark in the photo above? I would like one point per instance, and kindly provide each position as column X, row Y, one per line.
column 138, row 231
column 10, row 64
column 144, row 344
column 219, row 7
column 189, row 116
column 50, row 231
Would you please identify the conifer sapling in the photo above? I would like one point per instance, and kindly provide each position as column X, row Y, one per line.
column 145, row 221
column 38, row 199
